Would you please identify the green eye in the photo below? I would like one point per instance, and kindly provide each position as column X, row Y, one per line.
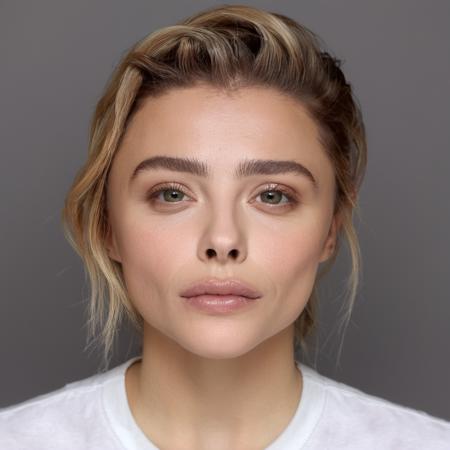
column 171, row 196
column 170, row 190
column 173, row 192
column 274, row 194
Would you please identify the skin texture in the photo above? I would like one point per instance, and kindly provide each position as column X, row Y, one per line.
column 219, row 381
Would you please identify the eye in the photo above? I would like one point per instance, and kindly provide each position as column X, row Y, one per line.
column 176, row 191
column 274, row 191
column 173, row 190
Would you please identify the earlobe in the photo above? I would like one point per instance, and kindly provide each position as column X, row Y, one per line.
column 330, row 243
column 110, row 244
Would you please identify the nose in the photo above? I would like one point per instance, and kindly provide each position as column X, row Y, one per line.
column 224, row 239
column 220, row 255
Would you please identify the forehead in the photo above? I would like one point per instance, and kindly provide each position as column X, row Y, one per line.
column 253, row 112
column 222, row 128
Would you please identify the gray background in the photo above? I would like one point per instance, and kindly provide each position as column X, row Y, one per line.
column 56, row 57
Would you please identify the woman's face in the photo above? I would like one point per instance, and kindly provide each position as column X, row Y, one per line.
column 168, row 240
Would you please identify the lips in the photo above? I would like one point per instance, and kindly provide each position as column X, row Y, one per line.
column 215, row 286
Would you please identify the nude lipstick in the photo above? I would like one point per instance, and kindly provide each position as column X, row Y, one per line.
column 218, row 296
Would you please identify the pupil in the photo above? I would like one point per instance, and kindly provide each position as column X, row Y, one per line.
column 172, row 194
column 270, row 194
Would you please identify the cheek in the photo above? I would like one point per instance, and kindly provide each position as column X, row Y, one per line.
column 289, row 250
column 289, row 261
column 150, row 260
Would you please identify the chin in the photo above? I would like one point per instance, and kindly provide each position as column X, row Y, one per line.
column 219, row 347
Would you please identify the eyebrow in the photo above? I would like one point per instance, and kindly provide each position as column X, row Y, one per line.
column 244, row 169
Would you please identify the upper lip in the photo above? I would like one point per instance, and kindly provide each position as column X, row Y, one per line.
column 216, row 286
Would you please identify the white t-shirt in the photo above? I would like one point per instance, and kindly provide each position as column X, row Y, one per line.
column 93, row 413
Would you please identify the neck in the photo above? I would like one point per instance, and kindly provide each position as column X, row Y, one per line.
column 246, row 400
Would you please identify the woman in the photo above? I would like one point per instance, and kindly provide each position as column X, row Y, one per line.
column 225, row 159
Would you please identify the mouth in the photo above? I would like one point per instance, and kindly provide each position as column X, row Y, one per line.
column 218, row 304
column 221, row 288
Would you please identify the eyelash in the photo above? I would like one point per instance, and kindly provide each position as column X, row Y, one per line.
column 293, row 200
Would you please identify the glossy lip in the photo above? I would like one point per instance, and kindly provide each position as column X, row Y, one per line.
column 220, row 304
column 216, row 286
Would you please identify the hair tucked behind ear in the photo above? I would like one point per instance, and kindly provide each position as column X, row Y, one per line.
column 228, row 47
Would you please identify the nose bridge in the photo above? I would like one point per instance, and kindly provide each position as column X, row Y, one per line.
column 223, row 234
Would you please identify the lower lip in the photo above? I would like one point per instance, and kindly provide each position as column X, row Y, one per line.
column 219, row 303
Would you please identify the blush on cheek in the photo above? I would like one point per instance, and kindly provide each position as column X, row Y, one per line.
column 291, row 265
column 151, row 261
column 289, row 254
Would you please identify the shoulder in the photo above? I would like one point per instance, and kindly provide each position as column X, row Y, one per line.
column 352, row 417
column 66, row 418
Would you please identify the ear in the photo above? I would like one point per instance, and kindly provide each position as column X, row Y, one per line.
column 111, row 246
column 330, row 242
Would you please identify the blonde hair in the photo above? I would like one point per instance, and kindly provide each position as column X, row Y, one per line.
column 228, row 47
